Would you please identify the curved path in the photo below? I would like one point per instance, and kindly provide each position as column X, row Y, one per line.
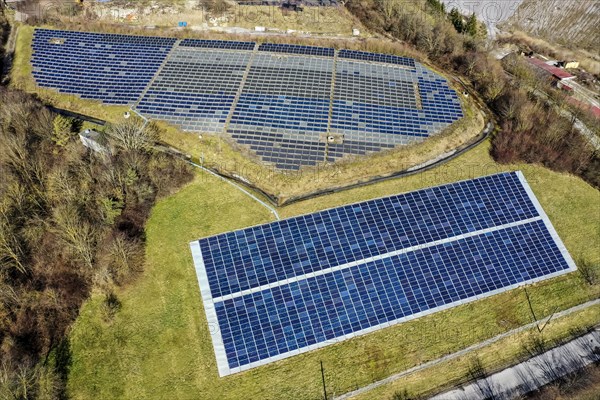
column 540, row 370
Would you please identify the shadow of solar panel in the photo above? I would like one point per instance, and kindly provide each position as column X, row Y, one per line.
column 289, row 286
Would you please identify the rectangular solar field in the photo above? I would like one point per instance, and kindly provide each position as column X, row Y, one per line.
column 284, row 288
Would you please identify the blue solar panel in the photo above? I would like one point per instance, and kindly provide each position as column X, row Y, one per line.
column 328, row 238
column 108, row 67
column 297, row 49
column 280, row 107
column 290, row 286
column 217, row 44
column 383, row 58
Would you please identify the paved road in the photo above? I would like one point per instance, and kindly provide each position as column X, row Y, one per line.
column 465, row 351
column 516, row 381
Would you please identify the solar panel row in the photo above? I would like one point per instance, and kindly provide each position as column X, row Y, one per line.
column 318, row 241
column 218, row 44
column 287, row 287
column 297, row 49
column 284, row 106
column 384, row 58
column 196, row 88
column 282, row 319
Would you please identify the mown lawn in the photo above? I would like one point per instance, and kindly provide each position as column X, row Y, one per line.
column 158, row 344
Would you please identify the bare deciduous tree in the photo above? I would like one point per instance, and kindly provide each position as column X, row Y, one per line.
column 79, row 235
column 134, row 134
column 588, row 271
column 11, row 247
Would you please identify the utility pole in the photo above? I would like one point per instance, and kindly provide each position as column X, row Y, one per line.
column 323, row 377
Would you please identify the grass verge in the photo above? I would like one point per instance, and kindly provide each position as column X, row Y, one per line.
column 158, row 344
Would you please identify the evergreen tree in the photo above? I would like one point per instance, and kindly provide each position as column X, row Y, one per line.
column 471, row 25
column 62, row 130
column 437, row 6
column 457, row 20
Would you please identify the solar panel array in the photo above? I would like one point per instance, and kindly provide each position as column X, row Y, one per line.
column 376, row 104
column 283, row 108
column 383, row 58
column 218, row 44
column 291, row 286
column 108, row 67
column 292, row 105
column 195, row 89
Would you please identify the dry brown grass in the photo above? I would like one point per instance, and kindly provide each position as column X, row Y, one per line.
column 320, row 20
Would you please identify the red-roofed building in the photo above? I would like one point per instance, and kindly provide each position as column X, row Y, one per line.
column 557, row 73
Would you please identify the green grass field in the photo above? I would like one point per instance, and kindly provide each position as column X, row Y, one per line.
column 496, row 356
column 158, row 344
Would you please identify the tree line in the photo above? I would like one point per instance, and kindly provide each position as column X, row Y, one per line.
column 71, row 220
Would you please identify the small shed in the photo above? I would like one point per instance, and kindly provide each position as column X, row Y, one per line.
column 568, row 64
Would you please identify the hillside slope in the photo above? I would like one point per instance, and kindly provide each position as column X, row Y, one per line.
column 571, row 23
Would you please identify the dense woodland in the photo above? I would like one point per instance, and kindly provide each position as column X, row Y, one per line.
column 71, row 221
column 530, row 130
